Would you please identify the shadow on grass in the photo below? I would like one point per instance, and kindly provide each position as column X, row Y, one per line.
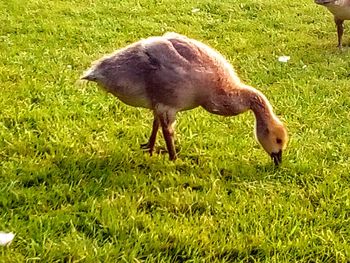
column 176, row 250
column 76, row 177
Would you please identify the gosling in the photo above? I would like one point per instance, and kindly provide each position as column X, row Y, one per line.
column 173, row 73
column 341, row 11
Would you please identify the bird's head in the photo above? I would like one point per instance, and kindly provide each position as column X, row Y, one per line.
column 273, row 137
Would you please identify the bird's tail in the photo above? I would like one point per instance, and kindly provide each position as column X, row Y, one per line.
column 90, row 75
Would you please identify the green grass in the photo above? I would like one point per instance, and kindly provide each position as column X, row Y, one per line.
column 75, row 187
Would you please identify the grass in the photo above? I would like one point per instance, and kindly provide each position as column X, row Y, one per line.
column 75, row 187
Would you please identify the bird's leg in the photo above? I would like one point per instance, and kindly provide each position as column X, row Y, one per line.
column 340, row 30
column 167, row 121
column 152, row 140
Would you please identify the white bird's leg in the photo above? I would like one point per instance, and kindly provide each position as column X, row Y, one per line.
column 152, row 140
column 167, row 121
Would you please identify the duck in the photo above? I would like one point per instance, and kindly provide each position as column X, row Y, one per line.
column 171, row 73
column 341, row 11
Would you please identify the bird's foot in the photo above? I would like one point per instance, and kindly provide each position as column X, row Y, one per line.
column 145, row 146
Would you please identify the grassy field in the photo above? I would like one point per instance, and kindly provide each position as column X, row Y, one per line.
column 75, row 187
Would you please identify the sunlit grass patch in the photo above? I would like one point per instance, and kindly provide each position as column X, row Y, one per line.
column 76, row 187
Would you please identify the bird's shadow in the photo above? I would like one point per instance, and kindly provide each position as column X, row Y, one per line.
column 116, row 170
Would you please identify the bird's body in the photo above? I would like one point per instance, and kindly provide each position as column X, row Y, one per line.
column 341, row 11
column 172, row 73
column 170, row 70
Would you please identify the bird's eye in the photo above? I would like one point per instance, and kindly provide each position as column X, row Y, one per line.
column 278, row 140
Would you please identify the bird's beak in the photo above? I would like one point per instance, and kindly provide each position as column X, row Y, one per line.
column 277, row 157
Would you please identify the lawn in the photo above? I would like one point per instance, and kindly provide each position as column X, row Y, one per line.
column 76, row 187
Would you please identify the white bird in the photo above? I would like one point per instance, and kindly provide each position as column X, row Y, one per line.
column 173, row 73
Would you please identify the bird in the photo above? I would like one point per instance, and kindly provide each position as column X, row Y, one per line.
column 341, row 11
column 172, row 73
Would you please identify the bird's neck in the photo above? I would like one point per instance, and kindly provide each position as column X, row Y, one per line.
column 238, row 99
column 260, row 105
